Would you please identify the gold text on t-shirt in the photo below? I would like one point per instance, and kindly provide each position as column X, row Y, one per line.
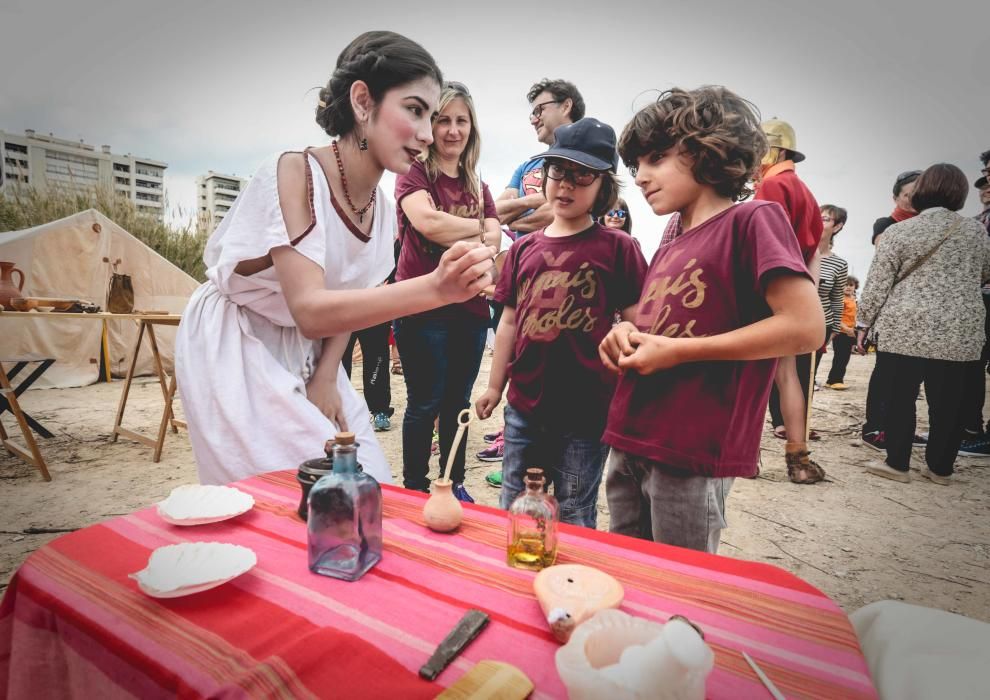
column 583, row 280
column 687, row 285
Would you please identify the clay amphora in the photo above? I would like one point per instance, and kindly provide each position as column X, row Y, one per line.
column 442, row 512
column 8, row 290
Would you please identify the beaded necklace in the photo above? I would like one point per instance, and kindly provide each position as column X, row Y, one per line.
column 359, row 213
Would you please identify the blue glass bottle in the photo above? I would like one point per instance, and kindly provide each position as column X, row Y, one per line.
column 345, row 517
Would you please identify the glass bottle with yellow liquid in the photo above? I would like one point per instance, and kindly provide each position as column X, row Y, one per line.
column 533, row 518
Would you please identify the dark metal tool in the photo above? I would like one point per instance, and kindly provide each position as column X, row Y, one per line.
column 453, row 644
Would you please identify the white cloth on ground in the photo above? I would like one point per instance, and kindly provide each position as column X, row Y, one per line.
column 918, row 653
column 241, row 362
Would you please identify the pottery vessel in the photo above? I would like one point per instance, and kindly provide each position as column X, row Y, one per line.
column 621, row 657
column 571, row 593
column 442, row 512
column 9, row 290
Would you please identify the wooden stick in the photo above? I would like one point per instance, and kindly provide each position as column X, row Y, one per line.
column 464, row 419
column 811, row 394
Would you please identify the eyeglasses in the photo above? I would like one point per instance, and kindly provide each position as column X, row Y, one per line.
column 582, row 177
column 538, row 109
column 457, row 87
column 827, row 219
column 616, row 213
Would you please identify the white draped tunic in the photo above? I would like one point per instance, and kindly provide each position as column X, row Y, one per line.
column 241, row 362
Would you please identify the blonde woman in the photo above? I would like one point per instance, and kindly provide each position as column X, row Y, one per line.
column 442, row 201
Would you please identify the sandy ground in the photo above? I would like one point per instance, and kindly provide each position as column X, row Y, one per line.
column 856, row 537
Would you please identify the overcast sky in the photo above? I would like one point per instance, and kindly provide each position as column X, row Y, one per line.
column 872, row 88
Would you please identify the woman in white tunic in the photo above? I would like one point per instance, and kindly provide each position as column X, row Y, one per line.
column 294, row 268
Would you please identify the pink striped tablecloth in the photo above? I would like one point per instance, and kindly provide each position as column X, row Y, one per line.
column 72, row 624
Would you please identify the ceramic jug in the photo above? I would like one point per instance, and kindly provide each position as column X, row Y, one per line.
column 8, row 290
column 442, row 512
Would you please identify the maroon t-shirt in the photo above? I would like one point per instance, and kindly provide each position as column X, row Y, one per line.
column 706, row 418
column 565, row 292
column 418, row 255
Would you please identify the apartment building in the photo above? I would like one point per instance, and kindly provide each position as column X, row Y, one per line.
column 215, row 193
column 46, row 161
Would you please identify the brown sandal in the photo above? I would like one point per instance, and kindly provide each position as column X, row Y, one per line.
column 801, row 469
column 781, row 433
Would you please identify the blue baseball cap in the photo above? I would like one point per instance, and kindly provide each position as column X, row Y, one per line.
column 587, row 142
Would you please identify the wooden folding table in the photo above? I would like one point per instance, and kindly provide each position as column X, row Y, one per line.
column 147, row 323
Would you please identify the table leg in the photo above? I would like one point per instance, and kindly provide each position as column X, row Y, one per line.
column 34, row 458
column 156, row 356
column 127, row 384
column 4, row 405
column 167, row 419
column 42, row 367
column 105, row 346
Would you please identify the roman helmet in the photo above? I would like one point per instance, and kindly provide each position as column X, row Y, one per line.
column 780, row 134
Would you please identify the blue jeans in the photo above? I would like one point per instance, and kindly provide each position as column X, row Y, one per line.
column 572, row 462
column 440, row 361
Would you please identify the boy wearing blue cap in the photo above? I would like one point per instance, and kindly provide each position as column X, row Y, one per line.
column 561, row 287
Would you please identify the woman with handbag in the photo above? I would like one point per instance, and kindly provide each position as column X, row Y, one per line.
column 922, row 297
column 441, row 201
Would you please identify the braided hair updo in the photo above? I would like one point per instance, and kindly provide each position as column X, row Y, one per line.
column 381, row 59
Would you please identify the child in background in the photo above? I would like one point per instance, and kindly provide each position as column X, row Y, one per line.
column 727, row 295
column 843, row 341
column 561, row 287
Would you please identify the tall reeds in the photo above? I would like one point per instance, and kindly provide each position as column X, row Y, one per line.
column 23, row 206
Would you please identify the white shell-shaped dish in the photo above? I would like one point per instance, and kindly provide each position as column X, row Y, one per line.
column 190, row 567
column 194, row 504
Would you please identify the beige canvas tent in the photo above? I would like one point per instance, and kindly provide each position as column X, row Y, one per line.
column 65, row 258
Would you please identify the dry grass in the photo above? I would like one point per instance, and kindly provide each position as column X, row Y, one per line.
column 25, row 206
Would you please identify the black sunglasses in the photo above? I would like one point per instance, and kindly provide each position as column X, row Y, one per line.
column 457, row 87
column 616, row 213
column 908, row 175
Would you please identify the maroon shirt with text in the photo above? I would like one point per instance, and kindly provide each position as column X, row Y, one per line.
column 418, row 255
column 565, row 292
column 706, row 418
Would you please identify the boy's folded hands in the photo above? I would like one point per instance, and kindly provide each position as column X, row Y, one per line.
column 616, row 344
column 625, row 348
column 652, row 353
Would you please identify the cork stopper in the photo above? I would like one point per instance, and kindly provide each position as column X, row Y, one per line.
column 344, row 438
column 534, row 476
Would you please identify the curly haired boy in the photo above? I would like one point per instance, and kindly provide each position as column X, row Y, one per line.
column 722, row 299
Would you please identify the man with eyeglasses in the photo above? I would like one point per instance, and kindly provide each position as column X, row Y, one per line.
column 522, row 208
